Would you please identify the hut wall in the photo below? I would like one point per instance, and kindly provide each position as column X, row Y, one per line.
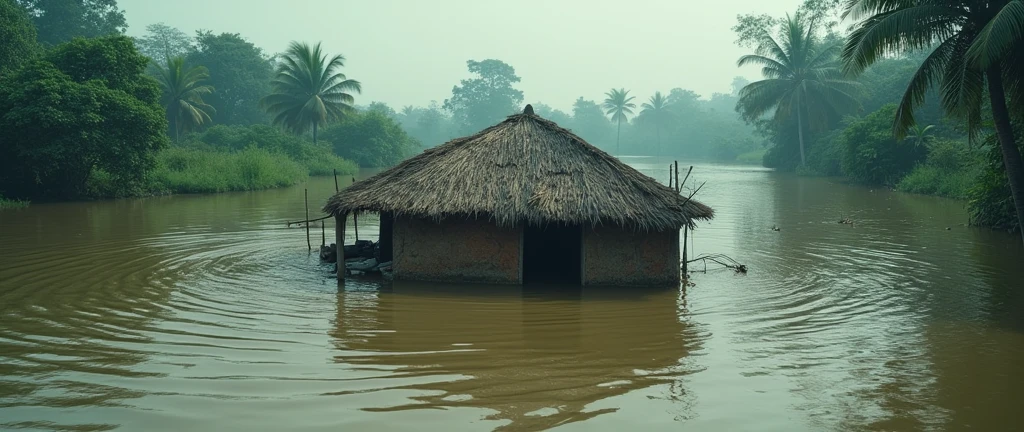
column 458, row 250
column 613, row 256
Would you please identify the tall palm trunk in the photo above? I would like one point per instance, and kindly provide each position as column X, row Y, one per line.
column 618, row 131
column 1004, row 130
column 800, row 133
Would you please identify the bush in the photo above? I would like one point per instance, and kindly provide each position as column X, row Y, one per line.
column 371, row 139
column 950, row 170
column 871, row 155
column 990, row 202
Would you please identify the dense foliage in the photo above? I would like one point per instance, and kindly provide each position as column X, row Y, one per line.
column 17, row 36
column 59, row 21
column 85, row 107
column 371, row 139
column 239, row 71
column 488, row 98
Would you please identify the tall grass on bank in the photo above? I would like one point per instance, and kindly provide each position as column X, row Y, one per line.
column 186, row 170
column 7, row 204
column 951, row 170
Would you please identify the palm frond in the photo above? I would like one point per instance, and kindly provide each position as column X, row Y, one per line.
column 1005, row 30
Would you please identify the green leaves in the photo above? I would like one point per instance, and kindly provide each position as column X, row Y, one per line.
column 309, row 90
column 183, row 96
column 63, row 121
column 486, row 99
column 619, row 105
column 999, row 36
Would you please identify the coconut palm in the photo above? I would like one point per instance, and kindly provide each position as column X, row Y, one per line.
column 656, row 110
column 975, row 42
column 919, row 135
column 309, row 90
column 183, row 95
column 801, row 78
column 618, row 104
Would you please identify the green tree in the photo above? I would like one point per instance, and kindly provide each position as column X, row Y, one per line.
column 487, row 99
column 183, row 96
column 17, row 36
column 61, row 20
column 657, row 112
column 309, row 89
column 240, row 72
column 371, row 139
column 802, row 79
column 86, row 107
column 163, row 42
column 618, row 105
column 590, row 123
column 979, row 42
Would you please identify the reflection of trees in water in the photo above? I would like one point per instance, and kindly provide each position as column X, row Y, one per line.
column 533, row 360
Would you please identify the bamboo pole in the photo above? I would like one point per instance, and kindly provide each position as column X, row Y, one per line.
column 686, row 230
column 305, row 193
column 339, row 240
column 323, row 234
column 670, row 175
column 336, row 189
column 355, row 224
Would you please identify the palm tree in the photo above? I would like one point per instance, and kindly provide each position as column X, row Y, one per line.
column 919, row 135
column 657, row 110
column 618, row 104
column 976, row 42
column 802, row 78
column 308, row 90
column 183, row 96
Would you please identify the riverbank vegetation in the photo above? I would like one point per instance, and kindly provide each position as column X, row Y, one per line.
column 928, row 95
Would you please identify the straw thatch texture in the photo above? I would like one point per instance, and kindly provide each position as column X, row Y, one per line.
column 524, row 169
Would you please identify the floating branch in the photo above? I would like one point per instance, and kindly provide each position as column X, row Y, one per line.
column 720, row 259
column 308, row 221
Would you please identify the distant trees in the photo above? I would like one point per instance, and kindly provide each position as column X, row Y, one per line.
column 239, row 70
column 17, row 36
column 618, row 104
column 978, row 42
column 371, row 139
column 589, row 121
column 59, row 21
column 85, row 108
column 309, row 90
column 802, row 80
column 656, row 111
column 183, row 90
column 164, row 42
column 479, row 102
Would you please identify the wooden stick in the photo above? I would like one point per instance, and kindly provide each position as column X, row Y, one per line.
column 686, row 230
column 355, row 224
column 308, row 221
column 670, row 175
column 679, row 185
column 336, row 189
column 677, row 177
column 305, row 193
column 323, row 235
column 339, row 239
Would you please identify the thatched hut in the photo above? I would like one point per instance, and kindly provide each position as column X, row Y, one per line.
column 520, row 202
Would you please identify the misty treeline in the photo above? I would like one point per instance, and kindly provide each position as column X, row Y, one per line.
column 923, row 96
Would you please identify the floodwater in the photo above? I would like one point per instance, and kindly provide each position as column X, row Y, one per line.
column 208, row 313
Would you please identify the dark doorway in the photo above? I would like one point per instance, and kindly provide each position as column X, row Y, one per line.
column 552, row 254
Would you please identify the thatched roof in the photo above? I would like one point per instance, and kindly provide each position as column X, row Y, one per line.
column 524, row 169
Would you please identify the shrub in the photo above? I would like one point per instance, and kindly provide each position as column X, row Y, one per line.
column 950, row 170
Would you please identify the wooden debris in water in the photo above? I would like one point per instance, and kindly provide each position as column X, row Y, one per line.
column 722, row 260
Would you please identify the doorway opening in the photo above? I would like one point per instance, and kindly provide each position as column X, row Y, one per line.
column 553, row 254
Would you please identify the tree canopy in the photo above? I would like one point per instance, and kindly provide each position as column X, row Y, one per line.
column 477, row 103
column 239, row 70
column 85, row 107
column 163, row 42
column 59, row 21
column 17, row 36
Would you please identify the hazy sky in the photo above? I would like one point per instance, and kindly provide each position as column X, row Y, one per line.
column 409, row 52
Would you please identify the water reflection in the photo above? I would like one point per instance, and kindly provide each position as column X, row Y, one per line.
column 533, row 360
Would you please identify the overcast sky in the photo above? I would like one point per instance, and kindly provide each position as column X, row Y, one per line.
column 409, row 52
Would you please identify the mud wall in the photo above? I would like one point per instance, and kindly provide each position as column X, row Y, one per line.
column 455, row 250
column 612, row 256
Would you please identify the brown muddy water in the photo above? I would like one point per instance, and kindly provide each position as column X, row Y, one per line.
column 207, row 313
